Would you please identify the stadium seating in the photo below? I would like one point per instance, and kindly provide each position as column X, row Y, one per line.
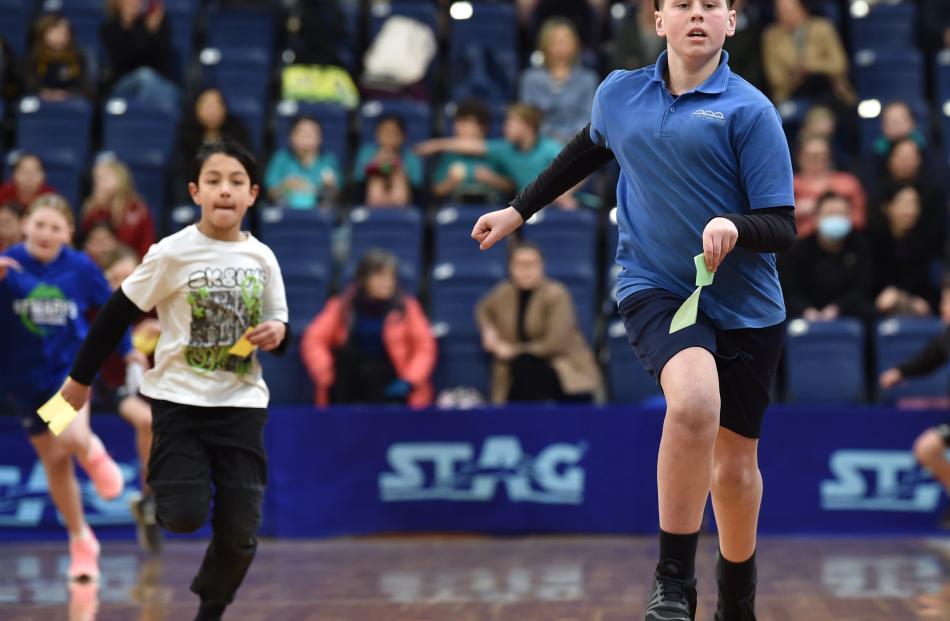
column 398, row 230
column 626, row 379
column 885, row 26
column 483, row 53
column 456, row 290
column 462, row 361
column 898, row 339
column 57, row 130
column 417, row 116
column 15, row 16
column 824, row 361
column 452, row 238
column 286, row 377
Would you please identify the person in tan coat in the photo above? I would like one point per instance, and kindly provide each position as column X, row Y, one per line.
column 803, row 56
column 527, row 322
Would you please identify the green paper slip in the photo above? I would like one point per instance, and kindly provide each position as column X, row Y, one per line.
column 703, row 276
column 686, row 314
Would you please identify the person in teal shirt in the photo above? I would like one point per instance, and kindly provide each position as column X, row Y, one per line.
column 390, row 171
column 518, row 157
column 469, row 178
column 301, row 177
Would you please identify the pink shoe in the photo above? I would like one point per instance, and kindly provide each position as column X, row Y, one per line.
column 103, row 471
column 83, row 601
column 84, row 558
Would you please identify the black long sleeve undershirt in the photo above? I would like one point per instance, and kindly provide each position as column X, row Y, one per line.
column 933, row 356
column 113, row 319
column 765, row 230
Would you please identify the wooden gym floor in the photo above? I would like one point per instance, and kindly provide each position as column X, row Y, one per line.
column 479, row 579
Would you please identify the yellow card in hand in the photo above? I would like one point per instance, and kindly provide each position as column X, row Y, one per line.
column 57, row 413
column 243, row 348
column 703, row 276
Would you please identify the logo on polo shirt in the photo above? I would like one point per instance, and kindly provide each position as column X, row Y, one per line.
column 710, row 115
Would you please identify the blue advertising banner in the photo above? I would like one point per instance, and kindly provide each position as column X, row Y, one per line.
column 521, row 470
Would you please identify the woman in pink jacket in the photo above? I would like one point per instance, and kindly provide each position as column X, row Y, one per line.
column 372, row 343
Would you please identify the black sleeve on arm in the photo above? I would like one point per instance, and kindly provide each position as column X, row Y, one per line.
column 766, row 230
column 113, row 319
column 931, row 358
column 281, row 349
column 579, row 158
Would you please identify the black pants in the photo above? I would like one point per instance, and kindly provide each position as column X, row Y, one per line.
column 533, row 379
column 193, row 448
column 361, row 378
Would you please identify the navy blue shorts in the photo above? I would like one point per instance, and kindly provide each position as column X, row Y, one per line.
column 746, row 358
column 27, row 402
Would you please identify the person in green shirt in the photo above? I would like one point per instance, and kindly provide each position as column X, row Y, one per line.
column 519, row 157
column 464, row 178
column 301, row 176
column 391, row 172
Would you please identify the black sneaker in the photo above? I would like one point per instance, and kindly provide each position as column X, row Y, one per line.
column 148, row 532
column 672, row 598
column 744, row 609
column 209, row 612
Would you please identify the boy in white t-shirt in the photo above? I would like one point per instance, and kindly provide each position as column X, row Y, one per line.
column 209, row 283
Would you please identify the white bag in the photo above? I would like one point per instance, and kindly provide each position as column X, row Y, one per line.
column 401, row 52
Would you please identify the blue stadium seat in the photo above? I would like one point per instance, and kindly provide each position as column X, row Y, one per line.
column 138, row 131
column 287, row 377
column 307, row 287
column 250, row 110
column 483, row 53
column 824, row 361
column 182, row 17
column 455, row 291
column 627, row 380
column 334, row 120
column 181, row 216
column 398, row 230
column 241, row 28
column 610, row 259
column 416, row 114
column 898, row 339
column 299, row 237
column 57, row 129
column 151, row 182
column 15, row 17
column 885, row 26
column 568, row 239
column 583, row 290
column 497, row 109
column 462, row 361
column 889, row 74
column 452, row 232
column 243, row 71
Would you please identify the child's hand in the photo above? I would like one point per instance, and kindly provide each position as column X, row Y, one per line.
column 6, row 263
column 495, row 225
column 74, row 393
column 719, row 238
column 890, row 378
column 268, row 335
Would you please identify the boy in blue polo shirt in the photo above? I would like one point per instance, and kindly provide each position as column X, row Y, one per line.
column 704, row 164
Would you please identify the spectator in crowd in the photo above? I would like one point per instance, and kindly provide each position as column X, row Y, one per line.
column 11, row 225
column 744, row 47
column 828, row 275
column 904, row 165
column 562, row 89
column 897, row 123
column 635, row 43
column 26, row 183
column 9, row 72
column 372, row 343
column 586, row 15
column 815, row 177
column 904, row 256
column 114, row 200
column 56, row 68
column 101, row 243
column 821, row 121
column 391, row 172
column 804, row 57
column 209, row 120
column 520, row 156
column 528, row 325
column 138, row 43
column 469, row 178
column 301, row 176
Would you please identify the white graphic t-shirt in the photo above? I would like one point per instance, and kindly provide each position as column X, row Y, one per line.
column 207, row 293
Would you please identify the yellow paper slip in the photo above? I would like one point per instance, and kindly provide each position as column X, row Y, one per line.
column 57, row 413
column 686, row 314
column 243, row 348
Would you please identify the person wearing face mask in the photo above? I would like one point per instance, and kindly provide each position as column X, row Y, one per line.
column 904, row 252
column 528, row 325
column 816, row 176
column 828, row 275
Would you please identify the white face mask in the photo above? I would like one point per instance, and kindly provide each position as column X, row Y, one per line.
column 834, row 228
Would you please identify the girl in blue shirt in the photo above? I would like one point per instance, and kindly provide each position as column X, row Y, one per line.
column 47, row 291
column 301, row 177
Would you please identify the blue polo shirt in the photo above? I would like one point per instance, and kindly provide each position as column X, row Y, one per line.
column 718, row 149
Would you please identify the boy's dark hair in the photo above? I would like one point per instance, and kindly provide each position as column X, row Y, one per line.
column 831, row 196
column 474, row 109
column 523, row 245
column 395, row 118
column 302, row 118
column 225, row 147
column 891, row 190
column 658, row 4
column 13, row 208
column 531, row 115
column 22, row 156
column 374, row 261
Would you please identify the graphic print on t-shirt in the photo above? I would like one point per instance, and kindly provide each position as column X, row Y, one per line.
column 224, row 302
column 45, row 306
